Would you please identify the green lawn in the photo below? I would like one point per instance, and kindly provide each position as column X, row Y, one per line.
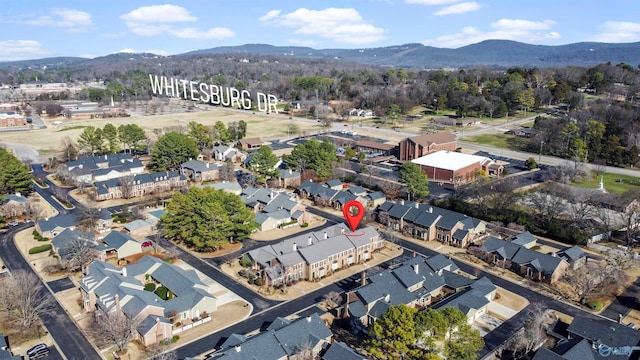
column 502, row 141
column 613, row 183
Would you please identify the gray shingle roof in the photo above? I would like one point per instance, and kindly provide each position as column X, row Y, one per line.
column 608, row 332
column 441, row 262
column 572, row 253
column 524, row 238
column 65, row 221
column 341, row 351
column 116, row 239
column 149, row 322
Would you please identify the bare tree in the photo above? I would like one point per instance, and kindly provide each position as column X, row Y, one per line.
column 332, row 299
column 114, row 328
column 87, row 218
column 35, row 210
column 392, row 190
column 547, row 203
column 534, row 331
column 24, row 298
column 580, row 208
column 68, row 150
column 127, row 185
column 227, row 172
column 591, row 279
column 78, row 253
column 160, row 352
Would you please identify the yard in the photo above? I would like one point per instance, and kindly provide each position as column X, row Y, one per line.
column 613, row 183
column 499, row 140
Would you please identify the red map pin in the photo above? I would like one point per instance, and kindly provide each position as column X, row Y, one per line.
column 353, row 219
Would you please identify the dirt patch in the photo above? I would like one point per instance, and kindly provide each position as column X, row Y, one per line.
column 510, row 299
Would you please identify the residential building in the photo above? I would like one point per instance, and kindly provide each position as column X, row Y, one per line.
column 314, row 255
column 574, row 255
column 196, row 170
column 284, row 339
column 525, row 262
column 376, row 199
column 111, row 289
column 69, row 241
column 139, row 227
column 10, row 119
column 418, row 283
column 50, row 227
column 341, row 351
column 139, row 185
column 288, row 178
column 589, row 339
column 456, row 168
column 431, row 223
column 250, row 143
column 224, row 153
column 5, row 350
column 120, row 245
column 419, row 146
column 374, row 148
column 15, row 205
column 273, row 209
column 103, row 167
column 228, row 186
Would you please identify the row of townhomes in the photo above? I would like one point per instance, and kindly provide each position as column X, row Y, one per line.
column 184, row 302
column 430, row 223
column 517, row 255
column 103, row 167
column 313, row 256
column 418, row 283
column 139, row 185
column 274, row 209
column 336, row 194
column 284, row 339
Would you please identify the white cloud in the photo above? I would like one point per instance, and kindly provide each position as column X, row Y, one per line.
column 21, row 49
column 618, row 32
column 133, row 51
column 460, row 8
column 504, row 29
column 431, row 2
column 72, row 20
column 159, row 14
column 160, row 19
column 270, row 15
column 342, row 25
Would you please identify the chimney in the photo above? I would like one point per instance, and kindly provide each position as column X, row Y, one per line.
column 363, row 278
column 124, row 271
column 414, row 254
column 345, row 314
column 207, row 165
column 387, row 298
column 238, row 348
column 430, row 210
column 325, row 235
column 416, row 268
column 417, row 205
column 402, row 202
column 311, row 240
column 342, row 231
column 290, row 171
column 18, row 194
column 619, row 318
column 295, row 247
column 117, row 299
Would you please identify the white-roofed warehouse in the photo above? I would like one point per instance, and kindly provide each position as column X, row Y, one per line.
column 456, row 168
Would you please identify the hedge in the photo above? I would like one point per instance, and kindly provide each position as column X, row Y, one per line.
column 161, row 291
column 39, row 249
column 595, row 305
column 150, row 287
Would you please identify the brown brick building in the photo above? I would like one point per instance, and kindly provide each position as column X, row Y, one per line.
column 456, row 168
column 418, row 146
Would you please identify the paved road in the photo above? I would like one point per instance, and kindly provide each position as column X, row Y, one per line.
column 62, row 328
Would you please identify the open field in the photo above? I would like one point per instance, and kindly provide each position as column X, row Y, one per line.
column 258, row 125
column 613, row 183
column 499, row 140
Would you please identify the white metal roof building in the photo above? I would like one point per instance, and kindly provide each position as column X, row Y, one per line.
column 455, row 167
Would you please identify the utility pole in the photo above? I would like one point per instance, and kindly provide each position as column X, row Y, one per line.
column 540, row 153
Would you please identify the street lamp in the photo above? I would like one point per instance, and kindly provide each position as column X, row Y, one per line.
column 540, row 153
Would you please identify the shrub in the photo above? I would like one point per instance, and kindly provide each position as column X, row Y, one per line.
column 38, row 237
column 595, row 305
column 161, row 291
column 304, row 225
column 39, row 249
column 150, row 287
column 175, row 338
column 258, row 281
column 245, row 261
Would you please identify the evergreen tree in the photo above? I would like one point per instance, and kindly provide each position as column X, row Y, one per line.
column 171, row 150
column 416, row 181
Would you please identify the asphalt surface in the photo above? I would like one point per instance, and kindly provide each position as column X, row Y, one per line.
column 62, row 328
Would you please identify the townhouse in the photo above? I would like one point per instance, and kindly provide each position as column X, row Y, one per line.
column 418, row 283
column 430, row 223
column 179, row 298
column 314, row 255
column 525, row 262
column 139, row 185
column 336, row 194
column 103, row 167
column 196, row 170
column 273, row 208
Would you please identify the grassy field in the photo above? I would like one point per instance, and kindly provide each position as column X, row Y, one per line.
column 613, row 183
column 258, row 125
column 499, row 140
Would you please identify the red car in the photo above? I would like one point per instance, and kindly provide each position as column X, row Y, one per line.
column 147, row 243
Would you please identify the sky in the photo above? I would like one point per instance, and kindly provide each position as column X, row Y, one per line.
column 33, row 29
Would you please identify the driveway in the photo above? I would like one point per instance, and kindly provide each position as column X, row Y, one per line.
column 61, row 284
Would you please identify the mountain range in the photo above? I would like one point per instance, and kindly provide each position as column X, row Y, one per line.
column 491, row 53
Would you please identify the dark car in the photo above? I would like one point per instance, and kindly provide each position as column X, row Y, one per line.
column 29, row 120
column 147, row 244
column 38, row 351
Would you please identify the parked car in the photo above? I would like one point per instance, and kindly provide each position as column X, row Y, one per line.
column 147, row 243
column 27, row 220
column 38, row 351
column 14, row 223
